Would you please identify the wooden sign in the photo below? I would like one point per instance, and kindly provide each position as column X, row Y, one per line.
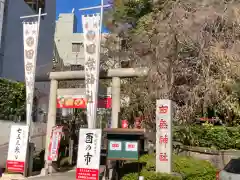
column 123, row 149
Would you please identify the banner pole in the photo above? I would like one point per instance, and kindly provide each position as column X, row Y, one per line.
column 29, row 163
column 93, row 107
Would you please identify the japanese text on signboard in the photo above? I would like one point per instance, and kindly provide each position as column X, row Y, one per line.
column 89, row 142
column 163, row 127
column 163, row 135
column 18, row 139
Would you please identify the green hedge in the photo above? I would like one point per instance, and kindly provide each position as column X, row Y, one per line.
column 216, row 137
column 188, row 167
column 150, row 175
column 12, row 99
column 194, row 169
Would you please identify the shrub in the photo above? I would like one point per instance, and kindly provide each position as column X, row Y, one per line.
column 190, row 168
column 193, row 169
column 148, row 161
column 216, row 137
column 150, row 175
column 12, row 98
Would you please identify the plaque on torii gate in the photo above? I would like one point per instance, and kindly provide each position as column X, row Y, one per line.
column 76, row 98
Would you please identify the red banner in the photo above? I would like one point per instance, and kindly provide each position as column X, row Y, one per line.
column 15, row 166
column 125, row 123
column 80, row 102
column 54, row 144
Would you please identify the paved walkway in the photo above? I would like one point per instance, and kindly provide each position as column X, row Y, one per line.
column 70, row 175
column 58, row 176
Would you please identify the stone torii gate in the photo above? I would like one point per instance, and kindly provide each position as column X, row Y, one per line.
column 114, row 74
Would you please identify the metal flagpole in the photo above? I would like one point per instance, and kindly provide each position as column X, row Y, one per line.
column 29, row 166
column 100, row 29
column 100, row 39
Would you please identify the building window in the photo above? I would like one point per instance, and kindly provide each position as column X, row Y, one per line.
column 36, row 4
column 124, row 44
column 77, row 47
column 76, row 67
column 125, row 64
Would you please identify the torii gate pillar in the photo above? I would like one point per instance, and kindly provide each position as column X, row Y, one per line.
column 116, row 101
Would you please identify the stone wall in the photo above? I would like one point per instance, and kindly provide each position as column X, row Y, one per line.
column 219, row 158
column 39, row 129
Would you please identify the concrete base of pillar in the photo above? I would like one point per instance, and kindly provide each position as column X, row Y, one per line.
column 111, row 169
column 48, row 170
column 44, row 172
column 12, row 177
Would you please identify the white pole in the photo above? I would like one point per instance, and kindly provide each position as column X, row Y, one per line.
column 99, row 58
column 39, row 21
column 101, row 19
column 99, row 53
column 36, row 54
column 94, row 7
column 31, row 16
column 29, row 123
column 29, row 114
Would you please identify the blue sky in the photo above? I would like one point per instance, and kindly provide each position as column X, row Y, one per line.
column 66, row 6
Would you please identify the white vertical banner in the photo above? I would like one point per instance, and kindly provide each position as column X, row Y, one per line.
column 164, row 113
column 91, row 33
column 30, row 40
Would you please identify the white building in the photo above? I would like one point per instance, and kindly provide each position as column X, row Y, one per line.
column 69, row 42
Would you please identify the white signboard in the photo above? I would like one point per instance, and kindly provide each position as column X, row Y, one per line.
column 89, row 149
column 17, row 148
column 131, row 146
column 115, row 145
column 91, row 33
column 164, row 136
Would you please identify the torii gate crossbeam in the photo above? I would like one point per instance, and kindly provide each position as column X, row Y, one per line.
column 80, row 75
